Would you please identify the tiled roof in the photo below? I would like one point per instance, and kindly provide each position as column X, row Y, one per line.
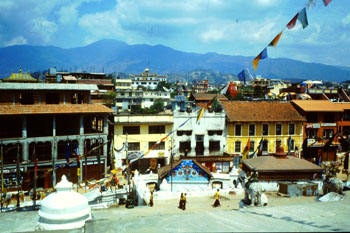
column 206, row 96
column 318, row 106
column 273, row 164
column 53, row 109
column 244, row 111
column 47, row 86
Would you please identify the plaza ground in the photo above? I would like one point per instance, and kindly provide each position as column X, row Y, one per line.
column 283, row 214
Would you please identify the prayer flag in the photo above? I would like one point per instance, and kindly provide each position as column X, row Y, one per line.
column 302, row 17
column 201, row 112
column 326, row 2
column 256, row 60
column 246, row 150
column 245, row 75
column 260, row 147
column 311, row 3
column 276, row 39
column 292, row 23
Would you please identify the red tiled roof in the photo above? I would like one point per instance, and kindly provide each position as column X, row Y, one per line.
column 206, row 96
column 244, row 111
column 53, row 109
column 318, row 106
column 273, row 164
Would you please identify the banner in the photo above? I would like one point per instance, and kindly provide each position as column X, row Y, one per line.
column 302, row 17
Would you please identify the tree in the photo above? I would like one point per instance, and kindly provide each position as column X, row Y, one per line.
column 158, row 106
column 109, row 98
column 161, row 85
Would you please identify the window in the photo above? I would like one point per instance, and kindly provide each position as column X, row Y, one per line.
column 154, row 129
column 238, row 146
column 133, row 146
column 291, row 128
column 160, row 146
column 184, row 132
column 131, row 130
column 214, row 132
column 278, row 144
column 251, row 130
column 214, row 146
column 327, row 133
column 26, row 98
column 238, row 130
column 278, row 129
column 265, row 129
column 251, row 146
column 52, row 98
column 265, row 146
column 311, row 133
column 185, row 147
column 292, row 145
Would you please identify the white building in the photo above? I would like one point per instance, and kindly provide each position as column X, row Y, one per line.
column 147, row 79
column 127, row 98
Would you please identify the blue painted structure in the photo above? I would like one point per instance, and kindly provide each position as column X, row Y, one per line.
column 188, row 172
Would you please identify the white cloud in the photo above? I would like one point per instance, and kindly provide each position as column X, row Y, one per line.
column 44, row 28
column 266, row 2
column 212, row 35
column 19, row 40
column 346, row 20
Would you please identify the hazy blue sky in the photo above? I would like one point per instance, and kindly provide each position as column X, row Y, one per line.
column 234, row 27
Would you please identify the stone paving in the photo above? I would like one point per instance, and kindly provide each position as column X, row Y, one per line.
column 281, row 215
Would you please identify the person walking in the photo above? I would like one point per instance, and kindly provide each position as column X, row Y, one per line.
column 181, row 201
column 184, row 201
column 151, row 200
column 217, row 199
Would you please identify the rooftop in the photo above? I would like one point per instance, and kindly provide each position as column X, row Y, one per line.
column 53, row 109
column 47, row 86
column 273, row 164
column 206, row 96
column 247, row 111
column 319, row 106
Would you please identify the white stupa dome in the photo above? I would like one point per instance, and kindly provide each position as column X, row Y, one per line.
column 64, row 209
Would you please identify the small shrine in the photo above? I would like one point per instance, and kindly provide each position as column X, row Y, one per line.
column 185, row 175
column 64, row 209
column 20, row 78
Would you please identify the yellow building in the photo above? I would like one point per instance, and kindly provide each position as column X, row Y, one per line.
column 272, row 122
column 140, row 133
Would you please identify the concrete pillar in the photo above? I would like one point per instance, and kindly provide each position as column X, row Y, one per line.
column 81, row 132
column 206, row 144
column 193, row 145
column 54, row 125
column 105, row 153
column 54, row 159
column 13, row 99
column 24, row 127
column 89, row 99
column 25, row 151
column 105, row 124
column 81, row 151
column 64, row 98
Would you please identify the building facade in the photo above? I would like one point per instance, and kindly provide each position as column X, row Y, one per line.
column 137, row 134
column 147, row 80
column 53, row 123
column 271, row 123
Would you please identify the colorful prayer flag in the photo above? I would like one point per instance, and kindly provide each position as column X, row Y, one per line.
column 326, row 2
column 302, row 17
column 260, row 147
column 256, row 60
column 311, row 3
column 232, row 90
column 292, row 23
column 276, row 39
column 246, row 150
column 201, row 112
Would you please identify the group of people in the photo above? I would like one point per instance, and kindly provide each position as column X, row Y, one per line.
column 182, row 202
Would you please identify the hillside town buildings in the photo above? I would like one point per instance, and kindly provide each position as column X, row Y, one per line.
column 147, row 80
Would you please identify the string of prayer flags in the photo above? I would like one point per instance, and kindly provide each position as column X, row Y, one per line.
column 292, row 23
column 257, row 59
column 276, row 39
column 326, row 2
column 302, row 17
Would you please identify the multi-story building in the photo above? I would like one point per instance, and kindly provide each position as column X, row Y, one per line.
column 323, row 119
column 271, row 122
column 123, row 84
column 202, row 140
column 127, row 98
column 52, row 122
column 147, row 80
column 140, row 132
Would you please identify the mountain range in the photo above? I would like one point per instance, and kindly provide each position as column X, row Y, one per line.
column 116, row 56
